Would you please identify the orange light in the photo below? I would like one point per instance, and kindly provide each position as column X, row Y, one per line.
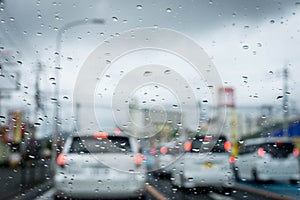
column 163, row 150
column 261, row 151
column 117, row 131
column 188, row 146
column 227, row 145
column 99, row 135
column 61, row 159
column 296, row 152
column 231, row 159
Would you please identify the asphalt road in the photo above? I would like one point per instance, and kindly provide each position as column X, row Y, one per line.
column 161, row 188
column 15, row 180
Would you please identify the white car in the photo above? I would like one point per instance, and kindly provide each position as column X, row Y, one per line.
column 164, row 159
column 206, row 163
column 268, row 159
column 100, row 166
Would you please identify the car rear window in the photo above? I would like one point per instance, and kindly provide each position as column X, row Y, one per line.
column 278, row 149
column 111, row 144
column 217, row 148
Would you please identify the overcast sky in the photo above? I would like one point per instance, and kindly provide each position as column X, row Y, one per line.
column 248, row 41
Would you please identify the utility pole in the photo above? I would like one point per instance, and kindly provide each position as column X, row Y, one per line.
column 285, row 102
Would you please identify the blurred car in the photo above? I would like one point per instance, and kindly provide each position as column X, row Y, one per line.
column 266, row 159
column 164, row 158
column 202, row 167
column 100, row 166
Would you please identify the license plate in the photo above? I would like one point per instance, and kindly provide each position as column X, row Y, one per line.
column 208, row 165
column 99, row 171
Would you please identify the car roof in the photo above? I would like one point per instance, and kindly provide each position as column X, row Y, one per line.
column 253, row 141
column 109, row 133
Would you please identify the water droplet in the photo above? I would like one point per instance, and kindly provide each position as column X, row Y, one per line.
column 12, row 19
column 245, row 47
column 271, row 72
column 175, row 106
column 139, row 7
column 69, row 58
column 297, row 3
column 65, row 97
column 272, row 21
column 245, row 77
column 39, row 34
column 147, row 73
column 169, row 10
column 31, row 156
column 279, row 97
column 259, row 44
column 167, row 72
column 233, row 14
column 115, row 19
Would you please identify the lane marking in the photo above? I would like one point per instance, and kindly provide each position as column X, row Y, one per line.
column 155, row 192
column 261, row 192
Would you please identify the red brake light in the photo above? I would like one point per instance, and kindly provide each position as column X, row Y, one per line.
column 138, row 158
column 261, row 152
column 117, row 131
column 99, row 135
column 296, row 152
column 163, row 150
column 153, row 151
column 61, row 159
column 227, row 145
column 188, row 146
column 207, row 138
column 231, row 159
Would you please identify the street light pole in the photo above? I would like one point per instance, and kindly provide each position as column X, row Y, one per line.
column 59, row 35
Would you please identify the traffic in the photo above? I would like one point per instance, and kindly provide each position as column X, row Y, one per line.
column 174, row 99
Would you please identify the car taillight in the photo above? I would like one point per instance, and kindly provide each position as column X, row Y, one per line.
column 139, row 158
column 188, row 146
column 261, row 152
column 153, row 151
column 227, row 145
column 296, row 152
column 231, row 159
column 101, row 135
column 61, row 159
column 164, row 150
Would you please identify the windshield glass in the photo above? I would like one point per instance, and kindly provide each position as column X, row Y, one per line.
column 161, row 73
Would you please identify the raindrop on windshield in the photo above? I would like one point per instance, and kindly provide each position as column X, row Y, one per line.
column 245, row 47
column 169, row 10
column 147, row 73
column 115, row 19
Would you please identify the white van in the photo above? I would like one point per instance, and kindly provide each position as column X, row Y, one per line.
column 268, row 159
column 102, row 165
